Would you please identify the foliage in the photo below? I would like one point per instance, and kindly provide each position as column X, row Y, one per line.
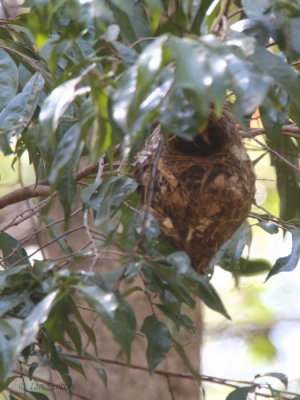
column 89, row 78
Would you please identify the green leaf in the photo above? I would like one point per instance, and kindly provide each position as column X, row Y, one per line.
column 88, row 330
column 73, row 332
column 269, row 227
column 38, row 395
column 8, row 302
column 9, row 341
column 200, row 15
column 159, row 341
column 281, row 72
column 57, row 363
column 274, row 112
column 64, row 153
column 31, row 325
column 13, row 250
column 18, row 113
column 57, row 103
column 181, row 261
column 102, row 374
column 180, row 350
column 235, row 246
column 115, row 313
column 33, row 366
column 278, row 375
column 67, row 189
column 132, row 19
column 142, row 89
column 4, row 274
column 74, row 364
column 9, row 77
column 179, row 319
column 192, row 69
column 240, row 393
column 128, row 55
column 257, row 9
column 58, row 237
column 290, row 262
column 108, row 196
column 252, row 267
column 149, row 64
column 102, row 132
column 8, row 356
column 208, row 294
column 154, row 13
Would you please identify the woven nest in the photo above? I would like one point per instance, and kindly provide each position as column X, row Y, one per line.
column 203, row 190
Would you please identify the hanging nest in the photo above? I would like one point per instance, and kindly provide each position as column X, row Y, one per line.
column 203, row 190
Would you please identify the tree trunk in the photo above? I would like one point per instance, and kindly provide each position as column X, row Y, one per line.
column 126, row 383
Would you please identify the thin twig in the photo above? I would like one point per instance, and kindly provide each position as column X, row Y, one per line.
column 147, row 294
column 26, row 214
column 238, row 11
column 27, row 59
column 143, row 39
column 205, row 378
column 284, row 225
column 175, row 23
column 95, row 250
column 223, row 18
column 170, row 388
column 53, row 385
column 286, row 130
column 42, row 189
column 276, row 154
column 23, row 381
column 29, row 206
column 48, row 244
column 96, row 253
column 146, row 212
column 22, row 242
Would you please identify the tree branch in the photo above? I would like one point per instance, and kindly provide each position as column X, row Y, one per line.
column 286, row 130
column 42, row 189
column 205, row 378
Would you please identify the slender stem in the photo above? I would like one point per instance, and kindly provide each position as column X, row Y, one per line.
column 276, row 154
column 146, row 212
column 27, row 59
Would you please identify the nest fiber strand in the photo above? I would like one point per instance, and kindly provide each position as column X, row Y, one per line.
column 203, row 189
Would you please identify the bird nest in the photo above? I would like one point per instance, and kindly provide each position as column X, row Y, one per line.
column 202, row 189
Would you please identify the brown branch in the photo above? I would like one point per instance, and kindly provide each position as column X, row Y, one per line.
column 24, row 194
column 284, row 225
column 238, row 11
column 24, row 215
column 42, row 189
column 205, row 378
column 286, row 130
column 30, row 236
column 296, row 63
column 270, row 150
column 48, row 383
